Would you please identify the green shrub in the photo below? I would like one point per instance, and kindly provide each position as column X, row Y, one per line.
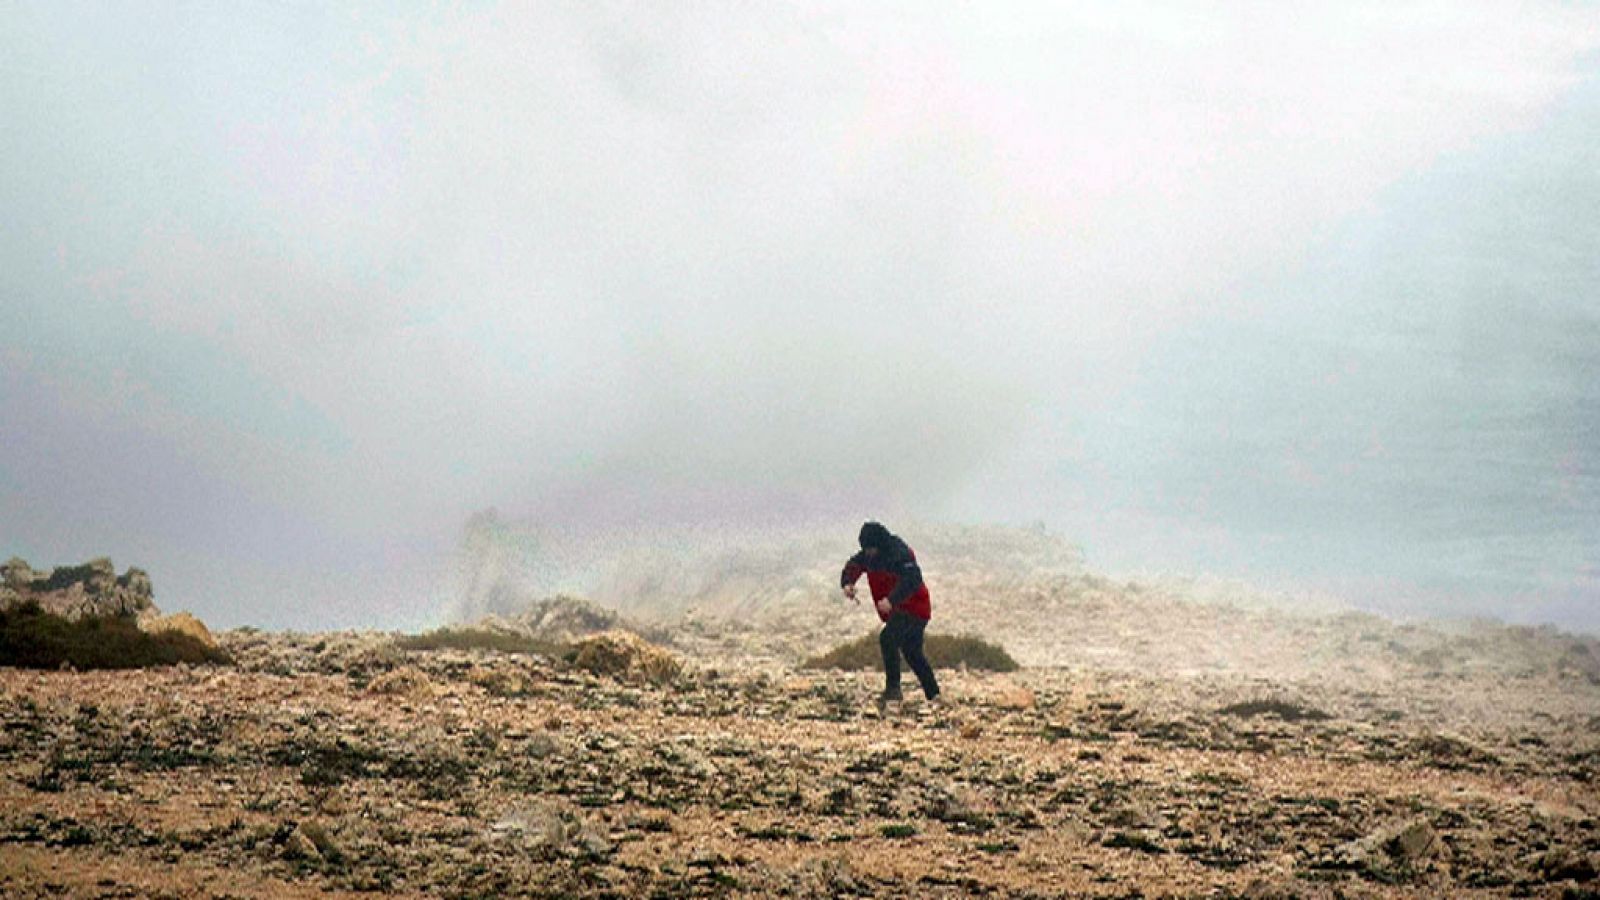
column 34, row 639
column 480, row 639
column 943, row 651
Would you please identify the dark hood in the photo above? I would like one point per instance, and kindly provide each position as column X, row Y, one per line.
column 874, row 535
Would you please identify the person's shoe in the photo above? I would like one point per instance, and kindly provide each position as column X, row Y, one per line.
column 886, row 698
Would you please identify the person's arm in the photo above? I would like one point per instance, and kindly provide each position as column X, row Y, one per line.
column 908, row 578
column 853, row 570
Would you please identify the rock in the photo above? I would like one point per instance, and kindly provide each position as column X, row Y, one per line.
column 300, row 846
column 16, row 574
column 408, row 681
column 1007, row 694
column 179, row 623
column 537, row 826
column 956, row 806
column 1562, row 863
column 1134, row 840
column 592, row 843
column 626, row 657
column 136, row 582
column 543, row 744
column 74, row 592
column 1399, row 845
column 1412, row 841
column 1136, row 816
column 317, row 836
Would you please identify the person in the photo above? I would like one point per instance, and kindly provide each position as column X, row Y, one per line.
column 901, row 597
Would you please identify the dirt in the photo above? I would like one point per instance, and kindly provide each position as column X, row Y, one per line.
column 1150, row 747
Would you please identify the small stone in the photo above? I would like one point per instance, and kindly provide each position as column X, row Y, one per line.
column 593, row 843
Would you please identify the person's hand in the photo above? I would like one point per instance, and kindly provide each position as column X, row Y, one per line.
column 884, row 608
column 850, row 591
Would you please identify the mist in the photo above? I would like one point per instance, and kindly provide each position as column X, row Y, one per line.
column 287, row 297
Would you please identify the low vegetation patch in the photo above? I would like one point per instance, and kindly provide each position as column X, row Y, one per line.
column 1283, row 709
column 34, row 639
column 625, row 656
column 480, row 639
column 943, row 651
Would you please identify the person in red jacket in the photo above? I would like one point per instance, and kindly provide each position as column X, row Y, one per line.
column 902, row 600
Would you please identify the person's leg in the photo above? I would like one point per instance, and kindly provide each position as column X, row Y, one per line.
column 889, row 642
column 911, row 646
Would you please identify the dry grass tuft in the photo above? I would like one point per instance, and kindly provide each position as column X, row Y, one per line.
column 943, row 651
column 624, row 656
column 1286, row 710
column 481, row 639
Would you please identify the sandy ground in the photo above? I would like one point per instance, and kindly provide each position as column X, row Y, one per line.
column 1333, row 757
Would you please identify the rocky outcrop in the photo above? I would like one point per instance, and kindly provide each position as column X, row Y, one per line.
column 74, row 592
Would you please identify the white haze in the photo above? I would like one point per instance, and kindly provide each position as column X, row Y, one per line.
column 1301, row 295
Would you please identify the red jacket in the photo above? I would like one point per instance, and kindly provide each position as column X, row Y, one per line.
column 893, row 575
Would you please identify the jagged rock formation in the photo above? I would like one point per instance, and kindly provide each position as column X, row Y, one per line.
column 73, row 592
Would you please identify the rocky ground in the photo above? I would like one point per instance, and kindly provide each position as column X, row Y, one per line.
column 1150, row 747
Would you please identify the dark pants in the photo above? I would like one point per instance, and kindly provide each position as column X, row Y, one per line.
column 902, row 634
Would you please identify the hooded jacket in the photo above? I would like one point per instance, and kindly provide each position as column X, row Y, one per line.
column 892, row 573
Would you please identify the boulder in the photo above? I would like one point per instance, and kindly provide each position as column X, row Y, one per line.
column 1398, row 846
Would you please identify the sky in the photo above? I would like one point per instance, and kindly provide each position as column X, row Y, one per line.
column 1308, row 297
